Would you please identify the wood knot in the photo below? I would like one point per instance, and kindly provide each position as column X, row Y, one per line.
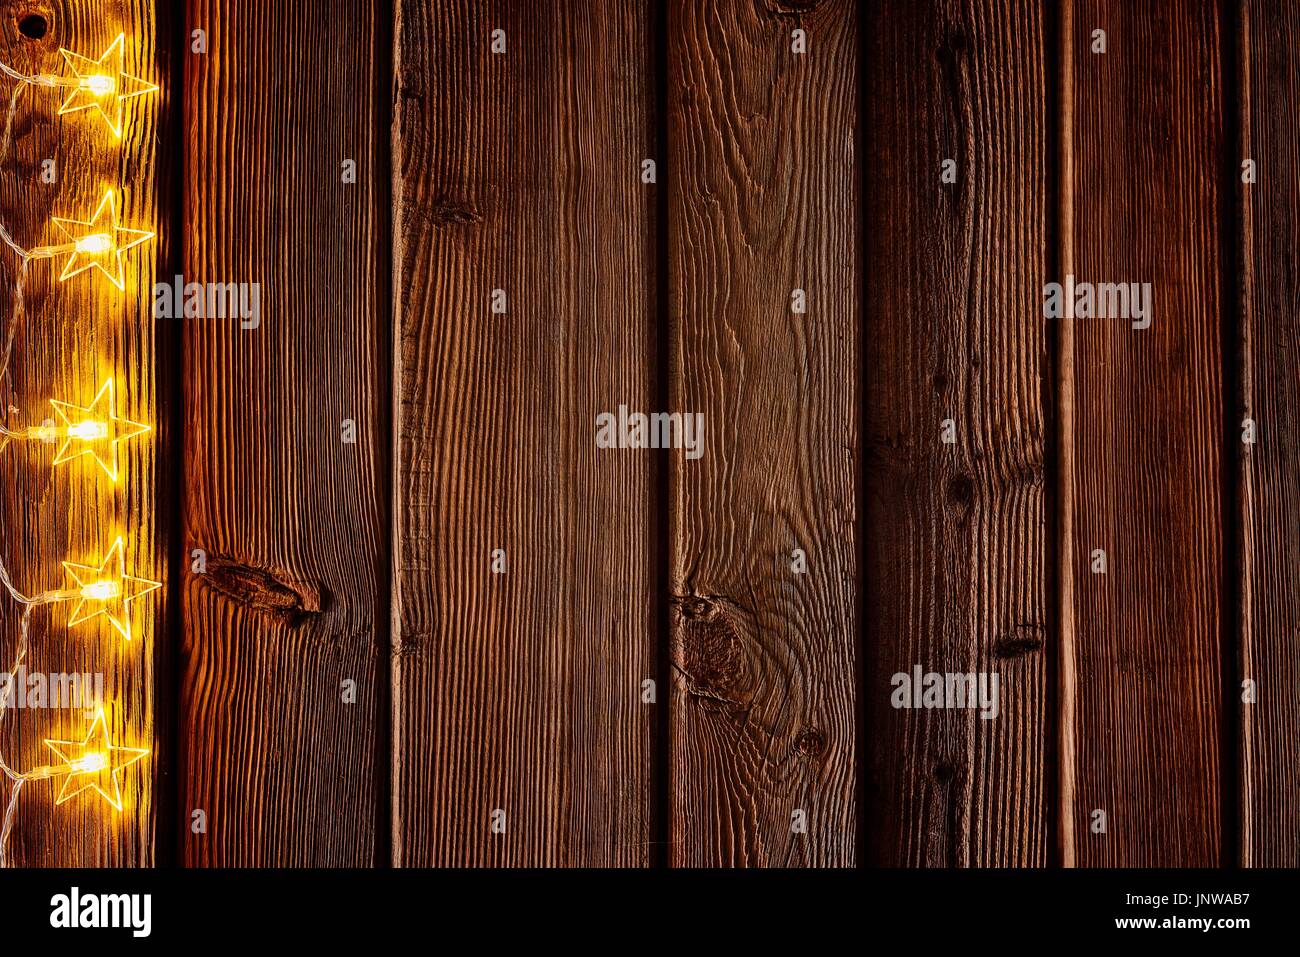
column 961, row 490
column 284, row 599
column 952, row 46
column 33, row 25
column 795, row 8
column 710, row 650
column 1022, row 640
column 810, row 743
column 449, row 211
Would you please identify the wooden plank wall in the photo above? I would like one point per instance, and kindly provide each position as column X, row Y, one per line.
column 1268, row 395
column 1142, row 469
column 761, row 193
column 69, row 337
column 522, row 615
column 418, row 617
column 956, row 575
column 284, row 757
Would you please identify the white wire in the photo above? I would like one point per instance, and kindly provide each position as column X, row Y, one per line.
column 28, row 603
column 9, row 822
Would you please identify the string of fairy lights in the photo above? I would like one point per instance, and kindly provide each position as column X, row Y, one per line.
column 92, row 433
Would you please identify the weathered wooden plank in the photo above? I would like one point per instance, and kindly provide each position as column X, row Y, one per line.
column 520, row 691
column 294, row 520
column 1142, row 438
column 956, row 577
column 1269, row 69
column 762, row 190
column 69, row 337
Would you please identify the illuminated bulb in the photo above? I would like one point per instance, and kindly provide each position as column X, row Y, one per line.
column 89, row 430
column 94, row 243
column 89, row 764
column 101, row 591
column 106, row 589
column 99, row 243
column 101, row 85
column 97, row 84
column 94, row 764
column 95, row 430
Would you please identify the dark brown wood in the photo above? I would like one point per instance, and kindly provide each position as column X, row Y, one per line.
column 294, row 522
column 762, row 190
column 69, row 337
column 522, row 691
column 955, row 579
column 1142, row 705
column 1269, row 70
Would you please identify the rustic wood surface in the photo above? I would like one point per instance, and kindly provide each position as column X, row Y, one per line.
column 762, row 190
column 1269, row 394
column 324, row 563
column 294, row 521
column 956, row 574
column 521, row 692
column 1142, row 677
column 71, row 336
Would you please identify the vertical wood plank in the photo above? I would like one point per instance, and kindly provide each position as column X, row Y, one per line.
column 1143, row 456
column 521, row 691
column 762, row 193
column 69, row 337
column 294, row 521
column 956, row 573
column 1269, row 70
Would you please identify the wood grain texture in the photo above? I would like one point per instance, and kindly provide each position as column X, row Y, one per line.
column 1269, row 70
column 69, row 337
column 520, row 691
column 1143, row 452
column 295, row 522
column 762, row 190
column 955, row 579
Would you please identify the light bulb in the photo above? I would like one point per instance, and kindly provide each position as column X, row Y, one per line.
column 101, row 590
column 89, row 430
column 94, row 243
column 95, row 761
column 97, row 84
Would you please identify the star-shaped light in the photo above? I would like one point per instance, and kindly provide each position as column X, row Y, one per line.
column 106, row 589
column 94, row 430
column 99, row 243
column 101, row 85
column 95, row 763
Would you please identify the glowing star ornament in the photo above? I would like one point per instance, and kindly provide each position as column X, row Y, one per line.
column 94, row 764
column 100, row 85
column 106, row 589
column 98, row 244
column 94, row 430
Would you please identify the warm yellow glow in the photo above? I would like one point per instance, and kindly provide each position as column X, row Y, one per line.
column 88, row 430
column 94, row 243
column 98, row 84
column 94, row 764
column 101, row 591
column 100, row 243
column 102, row 86
column 95, row 430
column 96, row 761
column 106, row 589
